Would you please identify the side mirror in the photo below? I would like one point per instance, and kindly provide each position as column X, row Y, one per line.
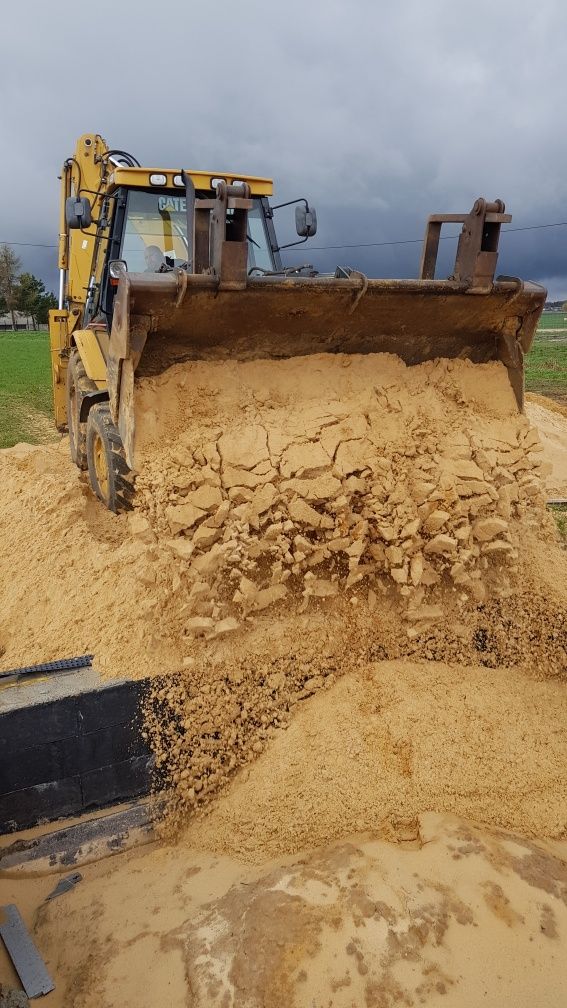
column 116, row 269
column 305, row 221
column 78, row 213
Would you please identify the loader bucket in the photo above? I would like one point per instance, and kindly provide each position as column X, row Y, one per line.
column 162, row 319
column 215, row 310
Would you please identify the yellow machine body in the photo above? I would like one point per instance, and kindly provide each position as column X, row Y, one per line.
column 216, row 305
column 81, row 253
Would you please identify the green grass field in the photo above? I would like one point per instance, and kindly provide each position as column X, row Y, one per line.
column 546, row 370
column 25, row 388
column 25, row 378
column 559, row 512
column 553, row 320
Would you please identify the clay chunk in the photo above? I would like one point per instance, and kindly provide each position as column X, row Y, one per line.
column 140, row 528
column 224, row 626
column 436, row 520
column 207, row 498
column 205, row 536
column 441, row 544
column 267, row 596
column 245, row 447
column 486, row 529
column 199, row 625
column 466, row 469
column 304, row 458
column 183, row 516
column 303, row 513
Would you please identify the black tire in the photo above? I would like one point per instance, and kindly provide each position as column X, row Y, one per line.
column 77, row 385
column 109, row 475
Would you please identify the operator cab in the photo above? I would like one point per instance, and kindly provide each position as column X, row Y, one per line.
column 142, row 228
column 148, row 234
column 159, row 220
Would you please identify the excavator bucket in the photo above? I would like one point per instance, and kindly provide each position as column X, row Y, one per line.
column 164, row 318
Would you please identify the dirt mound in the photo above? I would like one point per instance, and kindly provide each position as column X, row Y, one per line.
column 360, row 922
column 294, row 521
column 367, row 473
column 550, row 419
column 376, row 748
column 424, row 735
column 342, row 577
column 269, row 487
column 381, row 509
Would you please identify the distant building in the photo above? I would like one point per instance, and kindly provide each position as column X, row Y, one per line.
column 22, row 322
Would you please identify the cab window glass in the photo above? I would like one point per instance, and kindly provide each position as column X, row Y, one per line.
column 155, row 233
column 259, row 253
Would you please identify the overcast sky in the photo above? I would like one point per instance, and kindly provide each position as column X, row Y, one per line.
column 379, row 112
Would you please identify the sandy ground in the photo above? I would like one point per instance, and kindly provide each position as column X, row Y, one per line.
column 343, row 866
column 339, row 478
column 392, row 740
column 551, row 422
column 330, row 747
column 458, row 916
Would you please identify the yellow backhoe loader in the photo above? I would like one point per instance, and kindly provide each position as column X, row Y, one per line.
column 163, row 265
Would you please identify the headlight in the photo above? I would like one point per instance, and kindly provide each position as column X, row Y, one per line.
column 116, row 269
column 157, row 179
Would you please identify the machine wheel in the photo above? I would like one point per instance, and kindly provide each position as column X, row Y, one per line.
column 77, row 385
column 109, row 475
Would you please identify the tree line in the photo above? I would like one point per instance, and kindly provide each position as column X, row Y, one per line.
column 22, row 292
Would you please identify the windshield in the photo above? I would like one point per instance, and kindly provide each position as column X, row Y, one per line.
column 155, row 233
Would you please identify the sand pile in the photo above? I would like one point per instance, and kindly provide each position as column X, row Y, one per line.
column 550, row 419
column 289, row 488
column 320, row 514
column 359, row 922
column 341, row 574
column 348, row 739
column 294, row 521
column 374, row 749
column 310, row 478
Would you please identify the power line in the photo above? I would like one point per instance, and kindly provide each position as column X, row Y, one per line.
column 419, row 241
column 27, row 244
column 323, row 248
column 536, row 227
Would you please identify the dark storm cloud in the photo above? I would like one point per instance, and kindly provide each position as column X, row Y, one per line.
column 380, row 113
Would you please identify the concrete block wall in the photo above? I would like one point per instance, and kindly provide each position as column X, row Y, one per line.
column 69, row 743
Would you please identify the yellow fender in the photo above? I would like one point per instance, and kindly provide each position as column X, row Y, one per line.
column 91, row 355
